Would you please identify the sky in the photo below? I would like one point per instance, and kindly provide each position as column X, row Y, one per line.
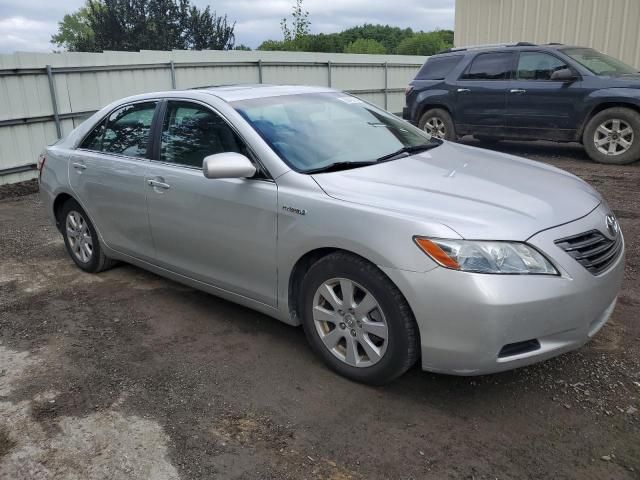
column 27, row 25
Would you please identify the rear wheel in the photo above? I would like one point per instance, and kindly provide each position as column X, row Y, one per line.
column 81, row 239
column 357, row 320
column 438, row 123
column 613, row 136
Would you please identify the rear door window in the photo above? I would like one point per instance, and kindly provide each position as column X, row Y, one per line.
column 125, row 131
column 437, row 68
column 490, row 66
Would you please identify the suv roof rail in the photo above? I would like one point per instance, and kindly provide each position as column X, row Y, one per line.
column 487, row 45
column 555, row 43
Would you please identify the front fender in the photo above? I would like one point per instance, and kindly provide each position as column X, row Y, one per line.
column 309, row 219
column 609, row 97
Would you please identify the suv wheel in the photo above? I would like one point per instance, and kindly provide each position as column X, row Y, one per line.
column 357, row 320
column 613, row 136
column 81, row 239
column 438, row 123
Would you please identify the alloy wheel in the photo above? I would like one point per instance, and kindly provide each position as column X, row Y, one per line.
column 79, row 236
column 435, row 127
column 350, row 322
column 613, row 137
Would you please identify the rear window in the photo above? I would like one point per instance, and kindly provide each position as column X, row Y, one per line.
column 490, row 66
column 437, row 68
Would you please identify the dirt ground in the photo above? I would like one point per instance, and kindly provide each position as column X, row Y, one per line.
column 125, row 375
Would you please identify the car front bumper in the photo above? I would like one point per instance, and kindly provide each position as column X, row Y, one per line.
column 466, row 319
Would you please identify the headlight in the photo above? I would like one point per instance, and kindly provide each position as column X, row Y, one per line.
column 486, row 257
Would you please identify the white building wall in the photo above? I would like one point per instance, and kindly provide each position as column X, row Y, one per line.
column 611, row 26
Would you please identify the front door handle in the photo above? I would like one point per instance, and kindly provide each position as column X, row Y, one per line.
column 463, row 90
column 518, row 90
column 157, row 184
column 79, row 166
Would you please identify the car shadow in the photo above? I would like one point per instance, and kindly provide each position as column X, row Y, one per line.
column 536, row 150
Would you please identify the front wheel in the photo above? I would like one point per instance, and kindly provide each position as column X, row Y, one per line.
column 613, row 136
column 357, row 320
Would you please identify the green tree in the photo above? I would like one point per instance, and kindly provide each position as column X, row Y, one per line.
column 133, row 25
column 425, row 43
column 300, row 23
column 365, row 45
column 74, row 32
column 243, row 47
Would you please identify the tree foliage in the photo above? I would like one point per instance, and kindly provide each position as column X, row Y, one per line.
column 426, row 43
column 74, row 32
column 394, row 40
column 365, row 45
column 300, row 23
column 133, row 25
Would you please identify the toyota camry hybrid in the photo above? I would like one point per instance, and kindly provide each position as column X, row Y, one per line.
column 319, row 209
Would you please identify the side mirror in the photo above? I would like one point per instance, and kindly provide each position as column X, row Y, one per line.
column 227, row 165
column 563, row 75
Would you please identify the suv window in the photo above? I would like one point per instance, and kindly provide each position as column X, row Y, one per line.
column 489, row 66
column 437, row 68
column 191, row 132
column 538, row 66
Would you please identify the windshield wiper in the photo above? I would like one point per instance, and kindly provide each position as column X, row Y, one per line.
column 337, row 166
column 405, row 151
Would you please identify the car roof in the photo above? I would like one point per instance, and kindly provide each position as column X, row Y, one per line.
column 473, row 49
column 232, row 93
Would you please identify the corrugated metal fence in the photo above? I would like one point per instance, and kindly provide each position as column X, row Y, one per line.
column 610, row 26
column 44, row 96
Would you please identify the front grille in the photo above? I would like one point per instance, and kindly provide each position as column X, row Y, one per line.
column 592, row 250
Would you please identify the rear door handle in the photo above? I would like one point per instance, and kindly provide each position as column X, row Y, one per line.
column 518, row 90
column 79, row 166
column 463, row 90
column 157, row 184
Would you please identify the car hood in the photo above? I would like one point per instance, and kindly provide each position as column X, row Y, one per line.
column 478, row 193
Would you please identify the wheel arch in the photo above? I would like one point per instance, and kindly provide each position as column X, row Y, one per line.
column 58, row 202
column 600, row 108
column 302, row 265
column 429, row 106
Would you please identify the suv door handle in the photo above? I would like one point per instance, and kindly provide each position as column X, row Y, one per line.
column 518, row 90
column 79, row 166
column 463, row 90
column 157, row 184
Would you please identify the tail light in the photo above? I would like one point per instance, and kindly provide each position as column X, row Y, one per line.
column 41, row 160
column 408, row 90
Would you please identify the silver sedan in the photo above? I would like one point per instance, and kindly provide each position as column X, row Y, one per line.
column 314, row 207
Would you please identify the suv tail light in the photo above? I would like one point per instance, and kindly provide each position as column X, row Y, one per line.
column 41, row 160
column 408, row 90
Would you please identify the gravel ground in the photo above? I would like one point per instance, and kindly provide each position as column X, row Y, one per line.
column 127, row 375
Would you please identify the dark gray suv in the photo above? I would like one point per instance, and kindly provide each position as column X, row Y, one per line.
column 525, row 91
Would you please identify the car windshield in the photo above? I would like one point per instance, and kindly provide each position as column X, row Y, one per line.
column 599, row 63
column 315, row 131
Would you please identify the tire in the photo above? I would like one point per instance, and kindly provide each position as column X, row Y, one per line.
column 389, row 310
column 78, row 230
column 443, row 124
column 616, row 121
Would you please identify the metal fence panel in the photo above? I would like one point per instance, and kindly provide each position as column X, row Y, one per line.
column 81, row 83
